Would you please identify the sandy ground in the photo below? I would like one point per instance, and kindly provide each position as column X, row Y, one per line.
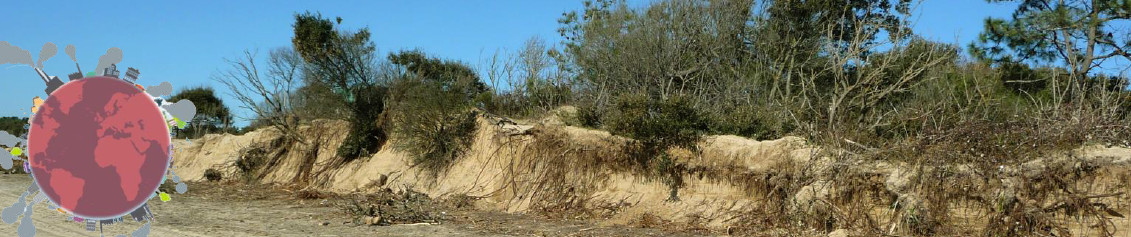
column 210, row 209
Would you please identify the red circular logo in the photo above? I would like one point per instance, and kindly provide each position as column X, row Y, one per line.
column 98, row 147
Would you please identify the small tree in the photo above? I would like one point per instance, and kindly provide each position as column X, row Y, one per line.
column 657, row 125
column 212, row 114
column 344, row 63
column 1080, row 34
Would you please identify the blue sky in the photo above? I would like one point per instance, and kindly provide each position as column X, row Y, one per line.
column 184, row 42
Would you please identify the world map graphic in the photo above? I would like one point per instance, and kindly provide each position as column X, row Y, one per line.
column 98, row 147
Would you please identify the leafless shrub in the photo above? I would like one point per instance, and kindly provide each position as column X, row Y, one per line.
column 267, row 95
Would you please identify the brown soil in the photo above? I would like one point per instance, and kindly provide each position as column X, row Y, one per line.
column 218, row 209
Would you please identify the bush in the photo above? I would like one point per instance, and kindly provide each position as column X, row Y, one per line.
column 317, row 100
column 656, row 125
column 750, row 121
column 211, row 174
column 366, row 134
column 437, row 146
column 588, row 116
column 434, row 126
column 251, row 161
column 1019, row 78
column 433, row 120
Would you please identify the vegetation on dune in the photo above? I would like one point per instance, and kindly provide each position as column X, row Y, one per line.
column 849, row 76
column 655, row 126
column 433, row 120
column 343, row 62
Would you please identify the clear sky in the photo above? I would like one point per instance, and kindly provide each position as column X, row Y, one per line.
column 184, row 42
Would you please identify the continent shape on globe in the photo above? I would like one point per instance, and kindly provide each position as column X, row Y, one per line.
column 98, row 147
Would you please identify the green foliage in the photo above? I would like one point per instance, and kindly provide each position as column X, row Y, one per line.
column 432, row 126
column 433, row 119
column 657, row 124
column 318, row 101
column 450, row 76
column 538, row 97
column 808, row 56
column 13, row 125
column 1019, row 78
column 613, row 48
column 533, row 79
column 815, row 19
column 341, row 63
column 1079, row 34
column 212, row 115
column 334, row 51
column 589, row 116
column 547, row 95
column 751, row 121
column 367, row 135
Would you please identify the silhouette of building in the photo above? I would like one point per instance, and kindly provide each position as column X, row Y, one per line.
column 111, row 71
column 77, row 75
column 110, row 221
column 131, row 74
column 142, row 213
column 91, row 225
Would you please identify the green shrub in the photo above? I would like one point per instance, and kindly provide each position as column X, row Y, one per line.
column 432, row 125
column 544, row 96
column 316, row 100
column 433, row 120
column 589, row 116
column 1019, row 78
column 750, row 121
column 508, row 103
column 366, row 134
column 538, row 97
column 656, row 125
